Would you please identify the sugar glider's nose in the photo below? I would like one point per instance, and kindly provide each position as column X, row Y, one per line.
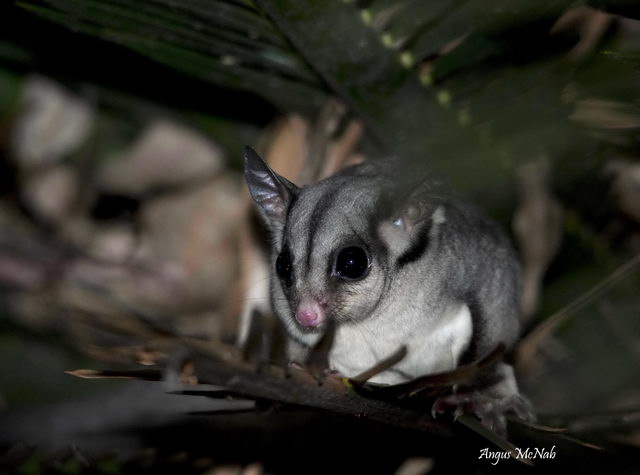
column 310, row 312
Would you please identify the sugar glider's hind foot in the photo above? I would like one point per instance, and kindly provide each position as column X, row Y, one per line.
column 491, row 410
column 494, row 396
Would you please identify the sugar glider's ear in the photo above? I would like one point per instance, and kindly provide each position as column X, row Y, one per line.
column 410, row 207
column 410, row 220
column 272, row 192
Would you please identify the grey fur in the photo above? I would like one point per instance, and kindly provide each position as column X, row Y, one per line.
column 433, row 262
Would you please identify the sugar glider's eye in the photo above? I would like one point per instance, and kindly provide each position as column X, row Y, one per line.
column 352, row 263
column 284, row 269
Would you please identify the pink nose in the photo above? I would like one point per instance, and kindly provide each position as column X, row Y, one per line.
column 309, row 313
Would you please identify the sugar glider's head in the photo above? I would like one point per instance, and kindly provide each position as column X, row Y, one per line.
column 336, row 245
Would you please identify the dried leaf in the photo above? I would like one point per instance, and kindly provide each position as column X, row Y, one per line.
column 141, row 374
column 318, row 361
column 538, row 225
column 606, row 114
column 626, row 186
column 434, row 384
column 416, row 466
column 591, row 24
column 381, row 366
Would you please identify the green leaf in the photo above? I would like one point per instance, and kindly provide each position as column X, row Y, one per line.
column 471, row 89
column 230, row 53
column 405, row 117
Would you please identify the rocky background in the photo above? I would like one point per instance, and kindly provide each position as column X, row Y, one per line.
column 125, row 225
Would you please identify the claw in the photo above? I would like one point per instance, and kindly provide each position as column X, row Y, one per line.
column 434, row 410
column 296, row 365
column 522, row 408
column 458, row 412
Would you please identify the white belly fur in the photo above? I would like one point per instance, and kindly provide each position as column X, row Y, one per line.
column 432, row 348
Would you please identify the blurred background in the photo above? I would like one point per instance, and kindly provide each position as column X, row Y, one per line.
column 124, row 222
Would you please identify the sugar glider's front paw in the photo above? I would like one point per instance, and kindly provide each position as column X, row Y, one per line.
column 489, row 409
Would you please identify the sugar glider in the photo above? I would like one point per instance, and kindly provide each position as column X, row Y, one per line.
column 391, row 265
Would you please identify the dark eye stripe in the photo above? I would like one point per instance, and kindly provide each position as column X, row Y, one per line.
column 284, row 267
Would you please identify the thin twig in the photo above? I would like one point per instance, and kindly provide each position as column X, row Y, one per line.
column 530, row 343
column 144, row 374
column 383, row 365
